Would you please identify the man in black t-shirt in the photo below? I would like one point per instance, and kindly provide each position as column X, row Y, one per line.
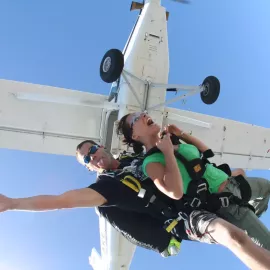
column 130, row 224
column 140, row 229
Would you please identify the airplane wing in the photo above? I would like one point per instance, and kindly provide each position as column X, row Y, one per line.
column 239, row 144
column 62, row 118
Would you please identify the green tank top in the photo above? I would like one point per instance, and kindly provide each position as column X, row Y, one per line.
column 214, row 176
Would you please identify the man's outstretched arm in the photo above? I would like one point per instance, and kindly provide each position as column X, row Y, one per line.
column 85, row 197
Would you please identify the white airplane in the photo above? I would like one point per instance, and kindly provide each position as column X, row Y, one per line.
column 53, row 120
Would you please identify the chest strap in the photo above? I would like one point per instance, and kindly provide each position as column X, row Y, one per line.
column 147, row 194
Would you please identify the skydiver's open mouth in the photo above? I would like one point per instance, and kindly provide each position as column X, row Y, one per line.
column 150, row 122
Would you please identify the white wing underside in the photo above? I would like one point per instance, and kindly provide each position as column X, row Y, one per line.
column 241, row 145
column 62, row 118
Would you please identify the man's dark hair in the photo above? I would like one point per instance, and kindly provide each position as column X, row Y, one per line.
column 80, row 145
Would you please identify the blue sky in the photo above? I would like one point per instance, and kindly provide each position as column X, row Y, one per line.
column 61, row 43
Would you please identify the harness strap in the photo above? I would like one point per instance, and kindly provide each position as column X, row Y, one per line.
column 125, row 154
column 198, row 189
column 225, row 168
column 171, row 226
column 148, row 196
column 244, row 187
column 241, row 202
column 132, row 182
column 215, row 201
column 181, row 217
column 198, row 194
column 195, row 167
column 207, row 154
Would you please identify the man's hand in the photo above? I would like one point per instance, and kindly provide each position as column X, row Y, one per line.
column 5, row 203
column 85, row 197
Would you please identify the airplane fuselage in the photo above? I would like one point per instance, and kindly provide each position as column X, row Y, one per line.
column 146, row 57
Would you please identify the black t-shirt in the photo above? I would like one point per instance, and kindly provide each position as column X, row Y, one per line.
column 140, row 229
column 126, row 213
column 120, row 196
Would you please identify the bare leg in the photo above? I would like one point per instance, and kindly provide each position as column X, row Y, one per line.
column 228, row 235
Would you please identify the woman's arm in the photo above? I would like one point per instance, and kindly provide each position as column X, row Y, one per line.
column 194, row 141
column 162, row 180
column 187, row 138
column 167, row 178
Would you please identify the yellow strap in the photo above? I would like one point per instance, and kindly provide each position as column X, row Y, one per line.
column 123, row 157
column 127, row 183
column 171, row 226
column 136, row 186
column 134, row 180
column 127, row 156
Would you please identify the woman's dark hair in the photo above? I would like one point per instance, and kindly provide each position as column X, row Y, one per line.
column 124, row 129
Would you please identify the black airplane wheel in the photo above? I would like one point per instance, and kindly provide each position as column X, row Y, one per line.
column 211, row 90
column 111, row 66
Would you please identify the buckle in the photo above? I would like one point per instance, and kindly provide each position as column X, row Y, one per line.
column 225, row 202
column 201, row 187
column 141, row 193
column 195, row 201
column 152, row 199
column 182, row 216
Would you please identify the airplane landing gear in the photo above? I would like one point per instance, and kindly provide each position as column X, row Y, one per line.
column 211, row 90
column 111, row 65
column 112, row 68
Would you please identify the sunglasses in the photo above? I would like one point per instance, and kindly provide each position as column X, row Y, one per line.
column 135, row 118
column 92, row 150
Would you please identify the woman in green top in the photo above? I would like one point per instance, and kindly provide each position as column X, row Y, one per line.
column 171, row 177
